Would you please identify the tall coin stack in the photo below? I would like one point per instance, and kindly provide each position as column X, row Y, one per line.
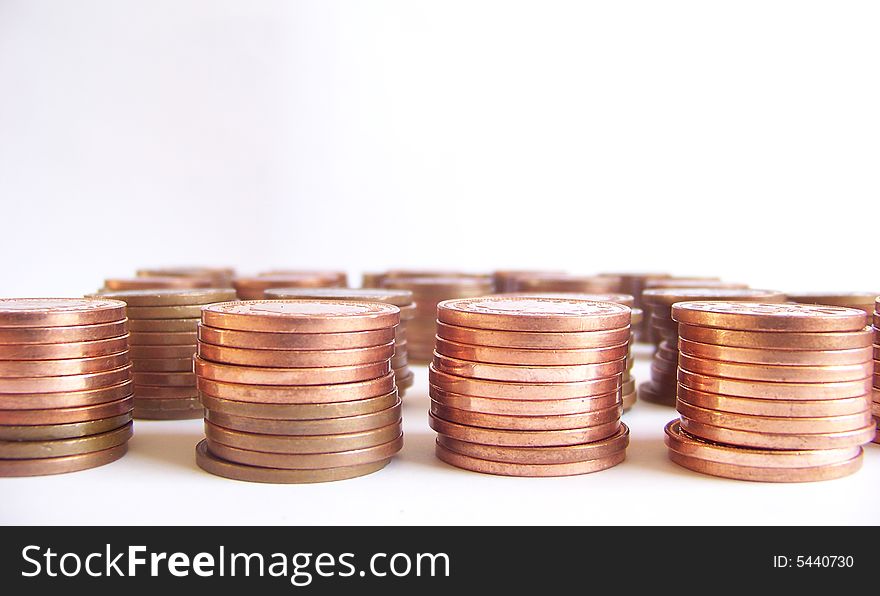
column 164, row 326
column 664, row 367
column 65, row 385
column 875, row 392
column 860, row 300
column 772, row 392
column 427, row 293
column 254, row 288
column 529, row 386
column 297, row 391
column 402, row 299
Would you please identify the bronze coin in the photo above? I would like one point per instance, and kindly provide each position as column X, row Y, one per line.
column 522, row 407
column 60, row 384
column 773, row 390
column 329, row 426
column 398, row 298
column 67, row 399
column 777, row 373
column 754, row 316
column 161, row 339
column 302, row 394
column 171, row 297
column 67, row 415
column 528, row 314
column 300, row 412
column 307, row 461
column 149, row 392
column 59, row 312
column 523, row 438
column 70, row 430
column 162, row 364
column 799, row 408
column 775, row 357
column 774, row 424
column 515, row 356
column 167, row 351
column 64, row 351
column 530, row 391
column 62, row 447
column 157, row 283
column 652, row 393
column 53, row 368
column 845, row 340
column 533, row 340
column 530, row 373
column 56, row 335
column 302, row 444
column 531, row 470
column 61, row 465
column 290, row 376
column 294, row 341
column 765, row 440
column 143, row 326
column 296, row 358
column 536, row 423
column 757, row 474
column 164, row 379
column 301, row 316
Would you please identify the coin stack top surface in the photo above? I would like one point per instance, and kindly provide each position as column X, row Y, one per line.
column 254, row 288
column 298, row 391
column 772, row 392
column 65, row 385
column 861, row 300
column 167, row 282
column 164, row 326
column 221, row 277
column 524, row 386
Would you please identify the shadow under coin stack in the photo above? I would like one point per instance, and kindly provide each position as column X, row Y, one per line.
column 875, row 391
column 297, row 391
column 664, row 366
column 402, row 299
column 553, row 408
column 772, row 392
column 65, row 385
column 254, row 288
column 164, row 326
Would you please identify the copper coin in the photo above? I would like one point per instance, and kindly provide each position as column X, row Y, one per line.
column 59, row 384
column 756, row 316
column 800, row 408
column 300, row 412
column 200, row 271
column 139, row 338
column 486, row 466
column 66, row 415
column 64, row 351
column 775, row 357
column 629, row 400
column 541, row 455
column 62, row 447
column 523, row 438
column 167, row 404
column 336, row 276
column 162, row 364
column 386, row 296
column 302, row 444
column 652, row 393
column 220, row 467
column 662, row 299
column 140, row 313
column 527, row 374
column 69, row 399
column 59, row 312
column 504, row 313
column 710, row 281
column 61, row 465
column 846, row 340
column 301, row 316
column 758, row 474
column 168, row 414
column 780, row 373
column 530, row 391
column 302, row 394
column 774, row 424
column 307, row 461
column 52, row 368
column 172, row 379
column 295, row 341
column 494, row 355
column 296, row 358
column 70, row 430
column 505, row 280
column 171, row 297
column 536, row 340
column 164, row 325
column 290, row 376
column 330, row 426
column 862, row 300
column 567, row 283
column 157, row 283
column 56, row 335
column 172, row 351
column 522, row 407
column 773, row 390
column 538, row 423
column 625, row 299
column 765, row 440
column 143, row 392
column 254, row 288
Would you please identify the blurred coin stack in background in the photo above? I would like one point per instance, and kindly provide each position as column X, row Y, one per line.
column 565, row 283
column 633, row 284
column 860, row 300
column 254, row 288
column 772, row 392
column 525, row 386
column 164, row 326
column 221, row 277
column 664, row 366
column 377, row 280
column 65, row 385
column 875, row 392
column 506, row 280
column 298, row 391
column 402, row 299
column 168, row 282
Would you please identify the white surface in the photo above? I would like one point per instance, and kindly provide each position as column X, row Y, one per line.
column 159, row 483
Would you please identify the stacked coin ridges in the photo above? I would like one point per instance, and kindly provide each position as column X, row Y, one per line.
column 658, row 302
column 164, row 326
column 525, row 386
column 564, row 282
column 220, row 277
column 402, row 299
column 427, row 293
column 65, row 385
column 298, row 391
column 772, row 392
column 875, row 391
column 254, row 288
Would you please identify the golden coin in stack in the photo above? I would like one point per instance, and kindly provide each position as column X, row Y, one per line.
column 65, row 385
column 163, row 336
column 254, row 288
column 402, row 299
column 525, row 386
column 664, row 366
column 427, row 293
column 633, row 284
column 772, row 392
column 567, row 283
column 298, row 391
column 221, row 277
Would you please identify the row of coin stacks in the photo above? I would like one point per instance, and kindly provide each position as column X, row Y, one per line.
column 298, row 391
column 65, row 385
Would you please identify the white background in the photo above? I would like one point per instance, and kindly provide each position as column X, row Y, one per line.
column 728, row 138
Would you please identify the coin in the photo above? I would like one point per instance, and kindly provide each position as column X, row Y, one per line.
column 528, row 374
column 303, row 394
column 530, row 391
column 189, row 311
column 50, row 432
column 66, row 415
column 759, row 474
column 861, row 300
column 59, row 384
column 692, row 282
column 169, row 351
column 68, row 399
column 769, row 317
column 799, row 408
column 185, row 412
column 170, row 297
column 62, row 447
column 141, row 326
column 176, row 404
column 765, row 440
column 533, row 314
column 55, row 335
column 387, row 296
column 506, row 280
column 162, row 338
column 781, row 373
column 567, row 283
column 846, row 340
column 63, row 351
column 254, row 288
column 301, row 412
column 301, row 444
column 296, row 358
column 61, row 465
column 295, row 341
column 523, row 438
column 144, row 392
column 532, row 470
column 774, row 357
column 226, row 469
column 537, row 423
column 58, row 312
column 163, row 379
column 515, row 356
column 533, row 340
column 664, row 298
column 522, row 407
column 629, row 400
column 650, row 392
column 329, row 426
column 290, row 376
column 69, row 366
column 162, row 364
column 219, row 274
column 625, row 299
column 774, row 424
column 157, row 283
column 773, row 390
column 301, row 316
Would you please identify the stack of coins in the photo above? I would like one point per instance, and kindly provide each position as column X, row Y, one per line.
column 563, row 282
column 221, row 277
column 156, row 283
column 336, row 278
column 506, row 280
column 297, row 390
column 402, row 299
column 772, row 392
column 661, row 388
column 254, row 288
column 633, row 284
column 675, row 283
column 875, row 392
column 427, row 293
column 860, row 300
column 65, row 385
column 525, row 386
column 164, row 326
